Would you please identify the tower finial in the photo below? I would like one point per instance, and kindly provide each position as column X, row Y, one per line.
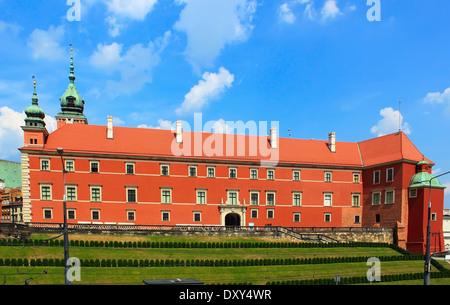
column 34, row 98
column 72, row 68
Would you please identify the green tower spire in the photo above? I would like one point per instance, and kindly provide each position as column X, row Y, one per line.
column 72, row 105
column 35, row 114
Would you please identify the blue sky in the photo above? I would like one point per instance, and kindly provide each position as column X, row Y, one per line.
column 314, row 66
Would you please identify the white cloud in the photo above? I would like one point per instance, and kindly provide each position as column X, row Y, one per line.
column 209, row 88
column 122, row 11
column 133, row 9
column 390, row 123
column 285, row 14
column 443, row 98
column 330, row 10
column 210, row 25
column 438, row 98
column 46, row 44
column 220, row 126
column 162, row 124
column 135, row 66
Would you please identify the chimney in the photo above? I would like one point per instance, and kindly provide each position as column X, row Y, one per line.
column 109, row 130
column 179, row 136
column 273, row 138
column 332, row 141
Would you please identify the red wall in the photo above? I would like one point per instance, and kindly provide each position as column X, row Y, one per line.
column 147, row 178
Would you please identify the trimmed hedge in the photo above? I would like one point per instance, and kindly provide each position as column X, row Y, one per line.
column 182, row 244
column 207, row 262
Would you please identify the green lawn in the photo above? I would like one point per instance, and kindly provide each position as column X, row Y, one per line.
column 210, row 275
column 255, row 274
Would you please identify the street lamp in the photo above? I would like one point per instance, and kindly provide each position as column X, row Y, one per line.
column 426, row 279
column 65, row 230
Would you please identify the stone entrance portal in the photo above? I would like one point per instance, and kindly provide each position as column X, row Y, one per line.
column 232, row 220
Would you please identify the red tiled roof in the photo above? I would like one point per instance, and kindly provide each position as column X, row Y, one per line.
column 80, row 138
column 388, row 148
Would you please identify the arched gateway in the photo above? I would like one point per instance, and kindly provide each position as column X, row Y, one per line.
column 232, row 220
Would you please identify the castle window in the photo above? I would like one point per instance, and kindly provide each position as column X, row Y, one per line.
column 327, row 217
column 270, row 174
column 164, row 170
column 376, row 198
column 166, row 196
column 45, row 164
column 327, row 199
column 376, row 177
column 165, row 215
column 197, row 216
column 70, row 165
column 232, row 173
column 131, row 194
column 412, row 193
column 296, row 217
column 96, row 193
column 131, row 215
column 211, row 172
column 390, row 174
column 46, row 192
column 327, row 176
column 201, row 196
column 192, row 171
column 270, row 198
column 48, row 213
column 296, row 175
column 129, row 167
column 389, row 197
column 95, row 214
column 71, row 192
column 94, row 167
column 296, row 199
column 253, row 173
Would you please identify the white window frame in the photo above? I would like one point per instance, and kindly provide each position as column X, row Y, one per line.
column 230, row 169
column 47, row 210
column 100, row 192
column 133, row 167
column 228, row 197
column 273, row 213
column 98, row 166
column 199, row 213
column 133, row 212
column 293, row 175
column 373, row 196
column 161, row 169
column 48, row 164
column 326, row 174
column 49, row 185
column 131, row 188
column 267, row 198
column 168, row 214
column 356, row 177
column 92, row 214
column 387, row 174
column 189, row 170
column 251, row 202
column 254, row 211
column 166, row 189
column 293, row 199
column 197, row 191
column 325, row 217
column 356, row 195
column 67, row 192
column 379, row 176
column 66, row 167
column 299, row 214
column 251, row 170
column 213, row 172
column 273, row 174
column 74, row 213
column 386, row 196
column 325, row 195
column 412, row 193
